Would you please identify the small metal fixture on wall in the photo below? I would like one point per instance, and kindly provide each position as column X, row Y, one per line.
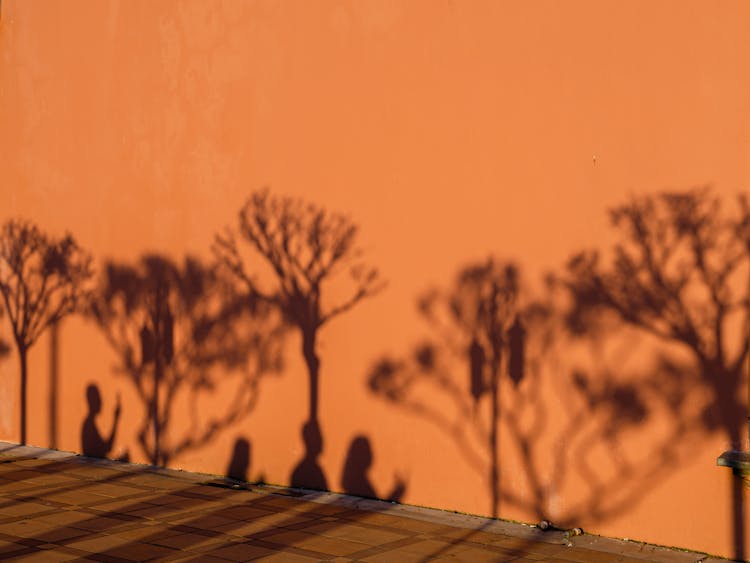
column 738, row 461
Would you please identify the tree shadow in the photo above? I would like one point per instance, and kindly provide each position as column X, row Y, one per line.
column 355, row 479
column 680, row 273
column 306, row 248
column 182, row 330
column 498, row 360
column 472, row 322
column 42, row 280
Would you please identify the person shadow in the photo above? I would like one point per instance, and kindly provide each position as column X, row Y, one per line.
column 355, row 479
column 239, row 465
column 308, row 473
column 93, row 444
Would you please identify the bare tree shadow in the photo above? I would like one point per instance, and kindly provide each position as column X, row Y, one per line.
column 355, row 479
column 184, row 330
column 494, row 358
column 42, row 280
column 680, row 273
column 306, row 248
column 472, row 322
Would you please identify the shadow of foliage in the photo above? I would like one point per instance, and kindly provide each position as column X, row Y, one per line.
column 494, row 360
column 479, row 322
column 183, row 329
column 680, row 273
column 306, row 248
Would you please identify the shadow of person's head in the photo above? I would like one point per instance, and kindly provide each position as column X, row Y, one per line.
column 239, row 465
column 308, row 473
column 93, row 442
column 94, row 399
column 359, row 458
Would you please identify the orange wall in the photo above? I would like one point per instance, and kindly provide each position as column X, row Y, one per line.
column 447, row 130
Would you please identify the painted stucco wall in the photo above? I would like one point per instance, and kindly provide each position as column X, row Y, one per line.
column 448, row 132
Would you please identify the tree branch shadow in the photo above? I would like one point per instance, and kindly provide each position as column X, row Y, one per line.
column 43, row 279
column 680, row 273
column 620, row 427
column 183, row 331
column 305, row 248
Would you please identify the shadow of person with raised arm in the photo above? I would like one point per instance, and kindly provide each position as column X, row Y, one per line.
column 93, row 444
column 308, row 473
column 239, row 465
column 355, row 480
